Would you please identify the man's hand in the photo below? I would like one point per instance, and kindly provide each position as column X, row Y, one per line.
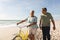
column 54, row 28
column 40, row 28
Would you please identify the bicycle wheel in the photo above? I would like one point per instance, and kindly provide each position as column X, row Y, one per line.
column 17, row 38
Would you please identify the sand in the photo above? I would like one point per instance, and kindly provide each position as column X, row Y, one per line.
column 8, row 33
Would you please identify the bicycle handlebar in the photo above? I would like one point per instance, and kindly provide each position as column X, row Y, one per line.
column 21, row 26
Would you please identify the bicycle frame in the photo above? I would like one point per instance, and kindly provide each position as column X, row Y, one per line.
column 22, row 35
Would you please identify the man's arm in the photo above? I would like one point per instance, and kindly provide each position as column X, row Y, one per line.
column 53, row 24
column 40, row 24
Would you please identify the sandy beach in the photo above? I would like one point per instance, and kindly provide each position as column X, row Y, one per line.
column 9, row 32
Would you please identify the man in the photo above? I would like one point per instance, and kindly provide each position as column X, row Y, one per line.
column 45, row 20
column 33, row 23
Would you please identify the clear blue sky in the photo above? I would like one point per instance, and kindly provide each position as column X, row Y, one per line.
column 20, row 9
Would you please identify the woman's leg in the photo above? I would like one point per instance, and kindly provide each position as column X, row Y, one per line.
column 31, row 34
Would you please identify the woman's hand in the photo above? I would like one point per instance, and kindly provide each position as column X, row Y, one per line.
column 17, row 23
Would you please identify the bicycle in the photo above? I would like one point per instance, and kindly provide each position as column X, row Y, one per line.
column 21, row 35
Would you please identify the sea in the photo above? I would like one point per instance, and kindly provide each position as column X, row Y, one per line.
column 8, row 23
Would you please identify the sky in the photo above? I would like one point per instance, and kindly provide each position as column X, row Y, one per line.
column 20, row 9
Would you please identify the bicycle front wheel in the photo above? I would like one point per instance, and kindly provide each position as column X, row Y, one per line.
column 17, row 38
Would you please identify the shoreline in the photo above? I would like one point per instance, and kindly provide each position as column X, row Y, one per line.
column 7, row 33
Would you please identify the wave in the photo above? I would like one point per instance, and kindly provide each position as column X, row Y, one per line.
column 8, row 23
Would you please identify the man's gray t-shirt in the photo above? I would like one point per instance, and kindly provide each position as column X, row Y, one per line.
column 45, row 19
column 31, row 20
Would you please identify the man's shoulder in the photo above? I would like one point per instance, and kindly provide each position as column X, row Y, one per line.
column 48, row 13
column 41, row 14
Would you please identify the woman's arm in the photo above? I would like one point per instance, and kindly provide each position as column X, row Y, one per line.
column 34, row 23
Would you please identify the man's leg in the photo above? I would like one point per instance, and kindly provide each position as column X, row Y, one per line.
column 48, row 33
column 44, row 33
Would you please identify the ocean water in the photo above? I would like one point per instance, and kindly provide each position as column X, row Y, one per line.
column 8, row 23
